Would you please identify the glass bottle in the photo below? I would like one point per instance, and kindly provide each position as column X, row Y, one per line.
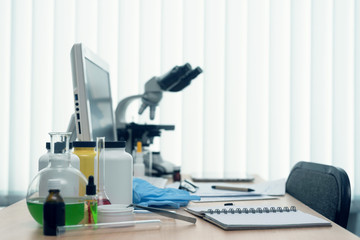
column 54, row 209
column 69, row 178
column 91, row 202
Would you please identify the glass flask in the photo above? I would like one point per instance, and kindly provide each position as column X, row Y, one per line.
column 103, row 198
column 70, row 179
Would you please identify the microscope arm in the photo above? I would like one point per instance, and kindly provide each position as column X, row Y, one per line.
column 120, row 112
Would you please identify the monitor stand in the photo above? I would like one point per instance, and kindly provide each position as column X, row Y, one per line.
column 72, row 128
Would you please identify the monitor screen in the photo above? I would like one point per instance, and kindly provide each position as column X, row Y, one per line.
column 94, row 115
column 99, row 100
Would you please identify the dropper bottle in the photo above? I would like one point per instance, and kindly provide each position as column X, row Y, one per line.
column 91, row 202
column 139, row 166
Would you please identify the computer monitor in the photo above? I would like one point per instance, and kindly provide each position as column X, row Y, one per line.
column 94, row 115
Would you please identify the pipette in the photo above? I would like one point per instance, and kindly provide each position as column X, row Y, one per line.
column 90, row 229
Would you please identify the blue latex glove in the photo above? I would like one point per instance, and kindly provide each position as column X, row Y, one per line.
column 148, row 195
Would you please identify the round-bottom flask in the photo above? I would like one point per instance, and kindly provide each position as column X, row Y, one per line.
column 70, row 180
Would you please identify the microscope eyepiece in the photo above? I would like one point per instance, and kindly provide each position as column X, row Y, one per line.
column 176, row 73
column 186, row 80
column 178, row 78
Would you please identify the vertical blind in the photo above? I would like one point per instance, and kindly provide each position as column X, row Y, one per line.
column 281, row 80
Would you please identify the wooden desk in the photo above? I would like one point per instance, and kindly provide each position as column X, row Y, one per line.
column 16, row 223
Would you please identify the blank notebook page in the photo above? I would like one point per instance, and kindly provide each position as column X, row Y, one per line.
column 265, row 220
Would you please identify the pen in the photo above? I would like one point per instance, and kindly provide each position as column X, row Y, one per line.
column 241, row 189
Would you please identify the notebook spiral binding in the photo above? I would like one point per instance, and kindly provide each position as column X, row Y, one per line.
column 252, row 210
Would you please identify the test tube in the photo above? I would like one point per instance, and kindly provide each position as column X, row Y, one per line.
column 90, row 229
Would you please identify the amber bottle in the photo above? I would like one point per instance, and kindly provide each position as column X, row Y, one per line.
column 54, row 212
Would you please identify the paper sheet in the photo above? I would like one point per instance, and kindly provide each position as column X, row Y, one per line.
column 208, row 194
column 273, row 188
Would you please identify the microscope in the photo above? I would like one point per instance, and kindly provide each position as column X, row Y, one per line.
column 175, row 80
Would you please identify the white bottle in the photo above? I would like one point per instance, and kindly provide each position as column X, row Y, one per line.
column 139, row 166
column 44, row 159
column 74, row 159
column 118, row 173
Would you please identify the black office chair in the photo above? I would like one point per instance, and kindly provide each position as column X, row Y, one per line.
column 325, row 189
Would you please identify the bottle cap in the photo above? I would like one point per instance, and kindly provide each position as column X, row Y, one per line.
column 91, row 187
column 139, row 147
column 59, row 146
column 91, row 144
column 118, row 144
column 54, row 184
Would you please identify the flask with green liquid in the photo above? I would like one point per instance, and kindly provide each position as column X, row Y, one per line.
column 70, row 181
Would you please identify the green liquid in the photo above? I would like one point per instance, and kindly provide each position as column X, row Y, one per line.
column 74, row 210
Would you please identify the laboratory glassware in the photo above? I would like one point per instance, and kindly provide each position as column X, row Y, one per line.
column 70, row 180
column 54, row 209
column 100, row 159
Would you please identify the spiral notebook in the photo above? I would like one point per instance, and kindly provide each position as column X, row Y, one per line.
column 236, row 218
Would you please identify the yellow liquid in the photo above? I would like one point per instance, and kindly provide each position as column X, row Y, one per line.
column 87, row 156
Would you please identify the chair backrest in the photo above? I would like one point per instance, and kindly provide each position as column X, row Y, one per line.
column 324, row 188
